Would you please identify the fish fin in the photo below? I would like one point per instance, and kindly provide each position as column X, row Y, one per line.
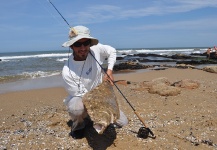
column 99, row 128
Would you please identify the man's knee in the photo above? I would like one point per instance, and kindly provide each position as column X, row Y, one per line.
column 122, row 121
column 75, row 106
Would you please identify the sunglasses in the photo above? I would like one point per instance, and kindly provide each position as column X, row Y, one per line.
column 79, row 44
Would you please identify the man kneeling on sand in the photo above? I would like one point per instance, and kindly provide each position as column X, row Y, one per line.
column 81, row 73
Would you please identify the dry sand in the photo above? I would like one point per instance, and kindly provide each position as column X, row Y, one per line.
column 37, row 119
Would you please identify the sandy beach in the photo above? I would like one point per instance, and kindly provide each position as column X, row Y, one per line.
column 37, row 119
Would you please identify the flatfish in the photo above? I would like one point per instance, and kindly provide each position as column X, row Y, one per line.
column 102, row 106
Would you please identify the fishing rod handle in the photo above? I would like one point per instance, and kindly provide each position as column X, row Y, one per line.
column 140, row 118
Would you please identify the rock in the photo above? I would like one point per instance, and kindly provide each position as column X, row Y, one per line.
column 192, row 62
column 184, row 66
column 160, row 68
column 149, row 84
column 161, row 86
column 122, row 82
column 119, row 58
column 212, row 69
column 180, row 56
column 164, row 90
column 129, row 65
column 164, row 87
column 161, row 80
column 187, row 83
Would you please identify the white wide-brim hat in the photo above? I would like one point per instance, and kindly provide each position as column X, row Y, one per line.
column 79, row 32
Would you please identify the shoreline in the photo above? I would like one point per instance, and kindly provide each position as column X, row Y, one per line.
column 56, row 80
column 31, row 84
column 46, row 82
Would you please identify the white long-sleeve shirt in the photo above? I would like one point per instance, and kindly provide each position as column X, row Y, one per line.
column 82, row 76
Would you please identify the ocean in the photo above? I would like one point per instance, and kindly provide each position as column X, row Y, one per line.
column 24, row 65
column 18, row 66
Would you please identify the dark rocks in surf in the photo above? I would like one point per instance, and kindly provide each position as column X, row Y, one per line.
column 180, row 56
column 137, row 61
column 193, row 62
column 129, row 65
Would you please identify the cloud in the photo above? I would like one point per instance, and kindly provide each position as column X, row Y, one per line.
column 103, row 13
column 187, row 25
column 96, row 14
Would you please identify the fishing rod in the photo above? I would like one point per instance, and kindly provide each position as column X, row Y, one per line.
column 143, row 131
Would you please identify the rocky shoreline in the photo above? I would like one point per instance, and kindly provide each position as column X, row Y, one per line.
column 129, row 65
column 138, row 61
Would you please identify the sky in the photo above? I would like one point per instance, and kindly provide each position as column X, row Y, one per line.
column 34, row 25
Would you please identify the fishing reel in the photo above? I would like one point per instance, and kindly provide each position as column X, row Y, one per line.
column 144, row 133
